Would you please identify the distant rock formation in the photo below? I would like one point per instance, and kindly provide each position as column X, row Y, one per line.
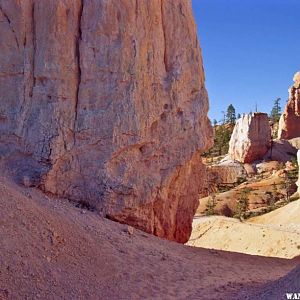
column 295, row 142
column 289, row 123
column 227, row 172
column 281, row 150
column 109, row 98
column 251, row 138
column 298, row 182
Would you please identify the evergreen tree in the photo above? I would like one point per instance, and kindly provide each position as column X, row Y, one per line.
column 222, row 138
column 242, row 203
column 210, row 205
column 230, row 115
column 276, row 110
column 221, row 141
column 238, row 116
column 215, row 122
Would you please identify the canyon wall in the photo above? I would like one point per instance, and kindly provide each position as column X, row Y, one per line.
column 109, row 98
column 289, row 123
column 298, row 181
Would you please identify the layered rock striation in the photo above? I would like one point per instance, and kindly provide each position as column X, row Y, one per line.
column 251, row 138
column 109, row 98
column 289, row 123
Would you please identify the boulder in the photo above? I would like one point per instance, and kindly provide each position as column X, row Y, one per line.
column 267, row 166
column 281, row 150
column 295, row 142
column 251, row 138
column 250, row 169
column 289, row 166
column 109, row 98
column 229, row 172
column 289, row 123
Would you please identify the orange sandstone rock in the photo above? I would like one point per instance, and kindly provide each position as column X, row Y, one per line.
column 109, row 98
column 289, row 123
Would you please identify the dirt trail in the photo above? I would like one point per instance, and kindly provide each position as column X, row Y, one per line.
column 50, row 249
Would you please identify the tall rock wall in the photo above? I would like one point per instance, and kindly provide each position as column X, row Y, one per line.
column 298, row 181
column 109, row 97
column 251, row 138
column 289, row 123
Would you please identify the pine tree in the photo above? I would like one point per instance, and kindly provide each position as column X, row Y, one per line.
column 230, row 115
column 242, row 203
column 276, row 110
column 222, row 138
column 210, row 205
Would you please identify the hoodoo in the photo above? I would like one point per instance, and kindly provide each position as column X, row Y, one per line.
column 289, row 123
column 108, row 99
column 251, row 138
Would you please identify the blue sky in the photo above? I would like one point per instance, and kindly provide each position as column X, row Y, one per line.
column 251, row 50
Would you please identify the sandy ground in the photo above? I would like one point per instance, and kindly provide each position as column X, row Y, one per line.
column 229, row 234
column 274, row 234
column 50, row 249
column 288, row 215
column 289, row 284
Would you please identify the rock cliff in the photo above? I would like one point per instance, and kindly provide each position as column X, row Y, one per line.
column 289, row 123
column 298, row 181
column 109, row 98
column 251, row 138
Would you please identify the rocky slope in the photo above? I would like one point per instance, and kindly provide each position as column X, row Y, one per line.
column 260, row 192
column 289, row 123
column 108, row 99
column 51, row 249
column 226, row 172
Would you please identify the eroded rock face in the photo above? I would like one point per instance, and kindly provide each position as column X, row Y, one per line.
column 298, row 181
column 281, row 150
column 109, row 97
column 251, row 138
column 289, row 123
column 227, row 172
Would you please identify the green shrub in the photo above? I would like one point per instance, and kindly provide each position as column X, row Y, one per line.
column 210, row 205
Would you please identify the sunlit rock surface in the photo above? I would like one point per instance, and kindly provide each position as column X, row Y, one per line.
column 109, row 98
column 251, row 138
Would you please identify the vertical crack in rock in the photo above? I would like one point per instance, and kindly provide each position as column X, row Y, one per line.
column 33, row 49
column 24, row 73
column 136, row 10
column 28, row 51
column 10, row 26
column 78, row 40
column 164, row 34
